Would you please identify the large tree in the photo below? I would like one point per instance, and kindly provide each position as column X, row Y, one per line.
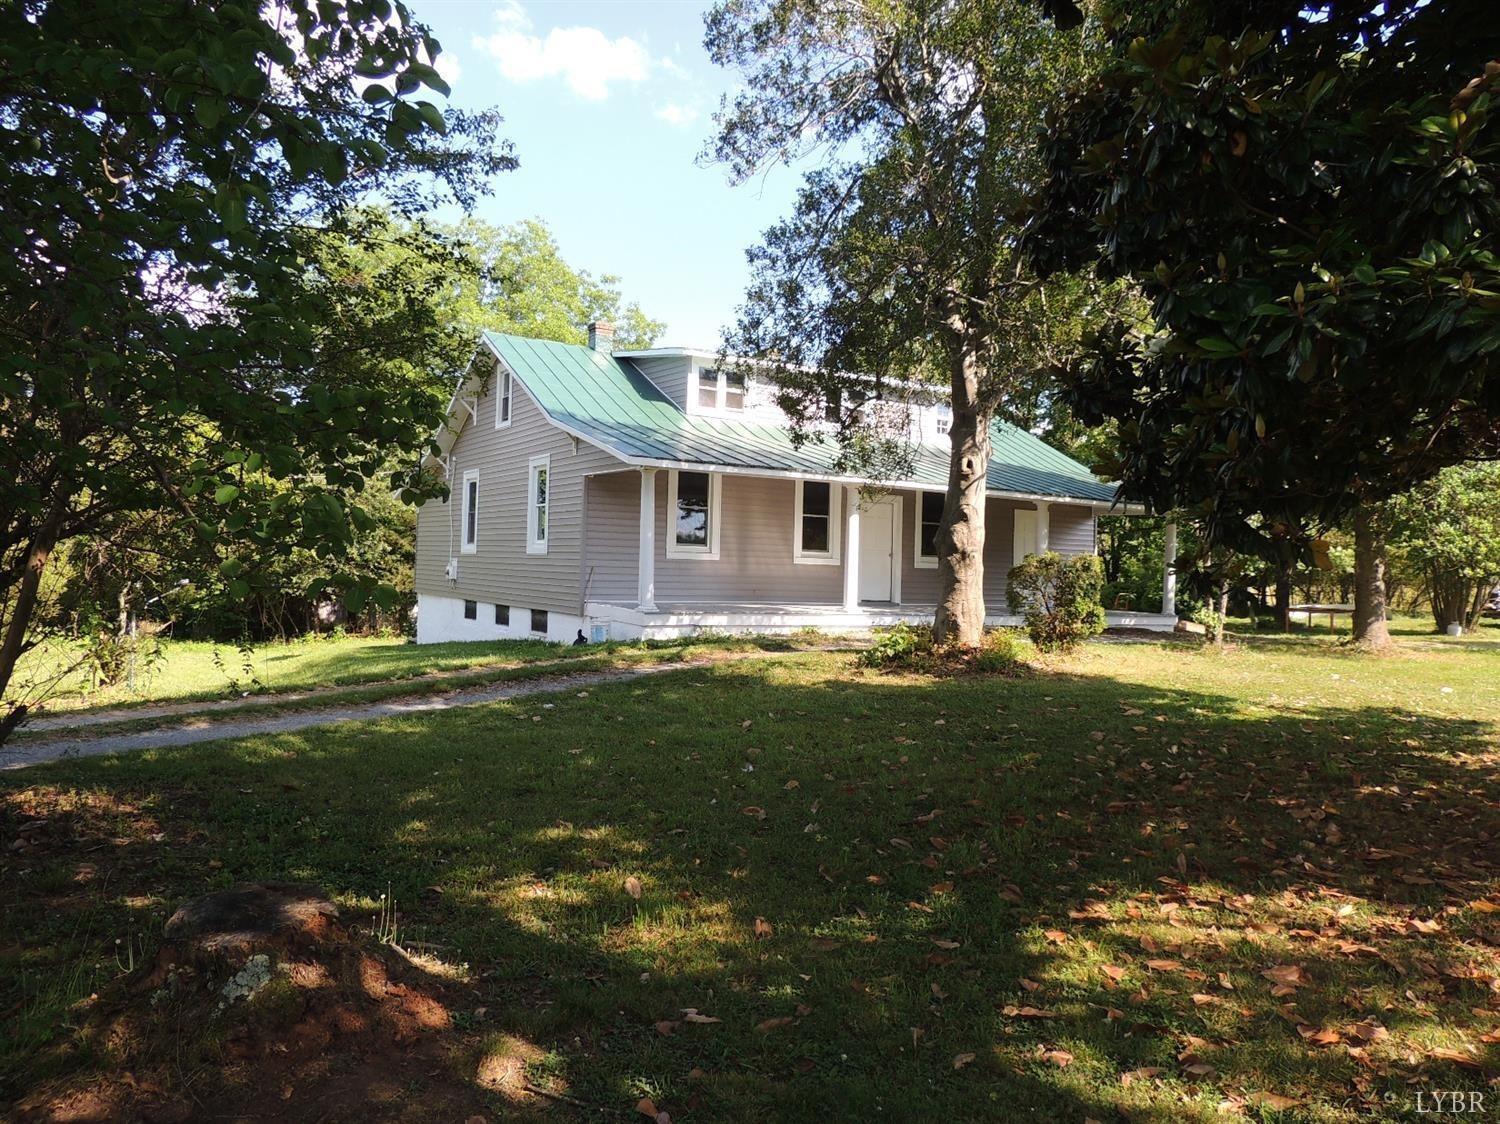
column 1309, row 196
column 1446, row 535
column 921, row 118
column 175, row 179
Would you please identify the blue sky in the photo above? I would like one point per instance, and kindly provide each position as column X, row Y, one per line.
column 608, row 106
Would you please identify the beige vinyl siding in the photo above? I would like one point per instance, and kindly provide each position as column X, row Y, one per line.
column 755, row 551
column 1071, row 529
column 669, row 373
column 501, row 570
column 612, row 529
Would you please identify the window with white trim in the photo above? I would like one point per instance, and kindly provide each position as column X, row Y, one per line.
column 693, row 504
column 944, row 421
column 469, row 535
column 721, row 390
column 817, row 528
column 734, row 390
column 503, row 395
column 538, row 499
column 929, row 519
column 708, row 388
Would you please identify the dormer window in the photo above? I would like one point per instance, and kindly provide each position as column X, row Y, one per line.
column 721, row 390
column 734, row 390
column 708, row 388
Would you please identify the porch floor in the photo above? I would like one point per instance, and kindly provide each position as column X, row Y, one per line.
column 683, row 618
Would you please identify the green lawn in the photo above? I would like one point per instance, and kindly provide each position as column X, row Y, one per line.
column 190, row 670
column 1053, row 897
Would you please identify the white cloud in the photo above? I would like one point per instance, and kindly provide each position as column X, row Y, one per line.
column 584, row 57
column 675, row 113
column 448, row 66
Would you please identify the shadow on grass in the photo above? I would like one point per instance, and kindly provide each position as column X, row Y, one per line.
column 932, row 857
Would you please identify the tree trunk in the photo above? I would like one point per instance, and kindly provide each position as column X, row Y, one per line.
column 1370, row 629
column 1223, row 611
column 13, row 646
column 960, row 540
column 1283, row 596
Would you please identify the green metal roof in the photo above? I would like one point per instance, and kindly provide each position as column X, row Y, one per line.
column 608, row 402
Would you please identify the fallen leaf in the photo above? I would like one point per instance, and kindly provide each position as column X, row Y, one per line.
column 633, row 887
column 666, row 1026
column 1164, row 965
column 1059, row 1058
column 1457, row 1057
column 949, row 945
column 772, row 1024
column 1056, row 936
column 1142, row 1074
column 822, row 944
column 1014, row 1012
column 1287, row 975
column 691, row 1015
column 961, row 1060
column 1368, row 1031
column 762, row 928
column 1114, row 973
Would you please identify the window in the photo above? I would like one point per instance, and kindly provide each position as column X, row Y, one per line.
column 929, row 517
column 502, row 396
column 539, row 620
column 537, row 499
column 693, row 502
column 502, row 614
column 817, row 530
column 734, row 390
column 471, row 610
column 944, row 417
column 470, row 523
column 708, row 388
column 720, row 390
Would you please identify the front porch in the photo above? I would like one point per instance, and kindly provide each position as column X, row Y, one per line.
column 765, row 555
column 666, row 621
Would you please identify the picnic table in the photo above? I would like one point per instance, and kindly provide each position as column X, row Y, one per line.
column 1319, row 610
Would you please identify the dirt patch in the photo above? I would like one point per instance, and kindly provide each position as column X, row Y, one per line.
column 262, row 1004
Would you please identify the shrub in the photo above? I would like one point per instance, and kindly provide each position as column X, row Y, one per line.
column 900, row 645
column 1059, row 598
column 1001, row 654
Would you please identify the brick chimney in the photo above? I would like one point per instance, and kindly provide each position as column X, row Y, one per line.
column 602, row 336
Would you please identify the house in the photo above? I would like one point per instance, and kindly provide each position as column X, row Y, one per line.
column 650, row 494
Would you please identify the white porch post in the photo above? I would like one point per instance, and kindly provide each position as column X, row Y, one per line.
column 646, row 583
column 1169, row 575
column 1043, row 526
column 851, row 551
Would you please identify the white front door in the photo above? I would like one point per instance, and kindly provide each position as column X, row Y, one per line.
column 1025, row 540
column 877, row 551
